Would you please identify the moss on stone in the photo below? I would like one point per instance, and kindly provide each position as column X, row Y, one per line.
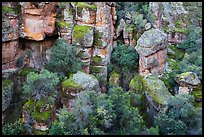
column 96, row 60
column 94, row 69
column 97, row 39
column 29, row 105
column 6, row 83
column 197, row 93
column 39, row 113
column 65, row 24
column 69, row 85
column 80, row 31
column 156, row 89
column 25, row 71
column 136, row 84
column 82, row 5
column 179, row 53
column 7, row 9
column 115, row 79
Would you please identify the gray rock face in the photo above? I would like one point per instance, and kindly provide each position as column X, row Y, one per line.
column 152, row 38
column 86, row 81
column 152, row 50
column 188, row 78
column 155, row 91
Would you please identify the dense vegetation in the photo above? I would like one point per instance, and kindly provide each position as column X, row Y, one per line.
column 125, row 108
column 99, row 113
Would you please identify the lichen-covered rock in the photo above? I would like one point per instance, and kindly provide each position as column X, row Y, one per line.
column 10, row 21
column 187, row 78
column 188, row 82
column 38, row 20
column 83, row 35
column 155, row 91
column 7, row 92
column 38, row 114
column 136, row 84
column 86, row 81
column 115, row 79
column 85, row 12
column 153, row 39
column 70, row 88
column 101, row 74
column 152, row 50
column 39, row 52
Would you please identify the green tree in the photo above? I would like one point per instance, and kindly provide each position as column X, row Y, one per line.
column 41, row 84
column 180, row 117
column 13, row 128
column 63, row 58
column 192, row 60
column 96, row 113
column 125, row 58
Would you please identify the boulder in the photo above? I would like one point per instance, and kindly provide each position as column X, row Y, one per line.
column 136, row 84
column 155, row 91
column 152, row 50
column 187, row 79
column 86, row 81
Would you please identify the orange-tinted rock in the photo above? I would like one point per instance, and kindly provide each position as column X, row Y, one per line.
column 38, row 21
column 152, row 50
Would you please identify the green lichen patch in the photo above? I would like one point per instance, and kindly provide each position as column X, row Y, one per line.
column 65, row 24
column 7, row 9
column 177, row 54
column 94, row 69
column 25, row 71
column 96, row 60
column 42, row 111
column 115, row 79
column 197, row 93
column 80, row 31
column 6, row 83
column 97, row 39
column 29, row 105
column 156, row 89
column 70, row 86
column 82, row 5
column 136, row 84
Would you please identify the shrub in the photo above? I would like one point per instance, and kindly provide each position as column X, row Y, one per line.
column 12, row 128
column 40, row 84
column 63, row 58
column 125, row 58
column 96, row 113
column 180, row 118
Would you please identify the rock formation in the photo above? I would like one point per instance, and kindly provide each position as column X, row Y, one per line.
column 155, row 91
column 187, row 82
column 152, row 50
column 90, row 28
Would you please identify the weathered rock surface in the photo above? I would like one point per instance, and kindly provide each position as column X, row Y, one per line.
column 152, row 50
column 38, row 20
column 37, row 115
column 155, row 91
column 187, row 81
column 86, row 81
column 10, row 34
